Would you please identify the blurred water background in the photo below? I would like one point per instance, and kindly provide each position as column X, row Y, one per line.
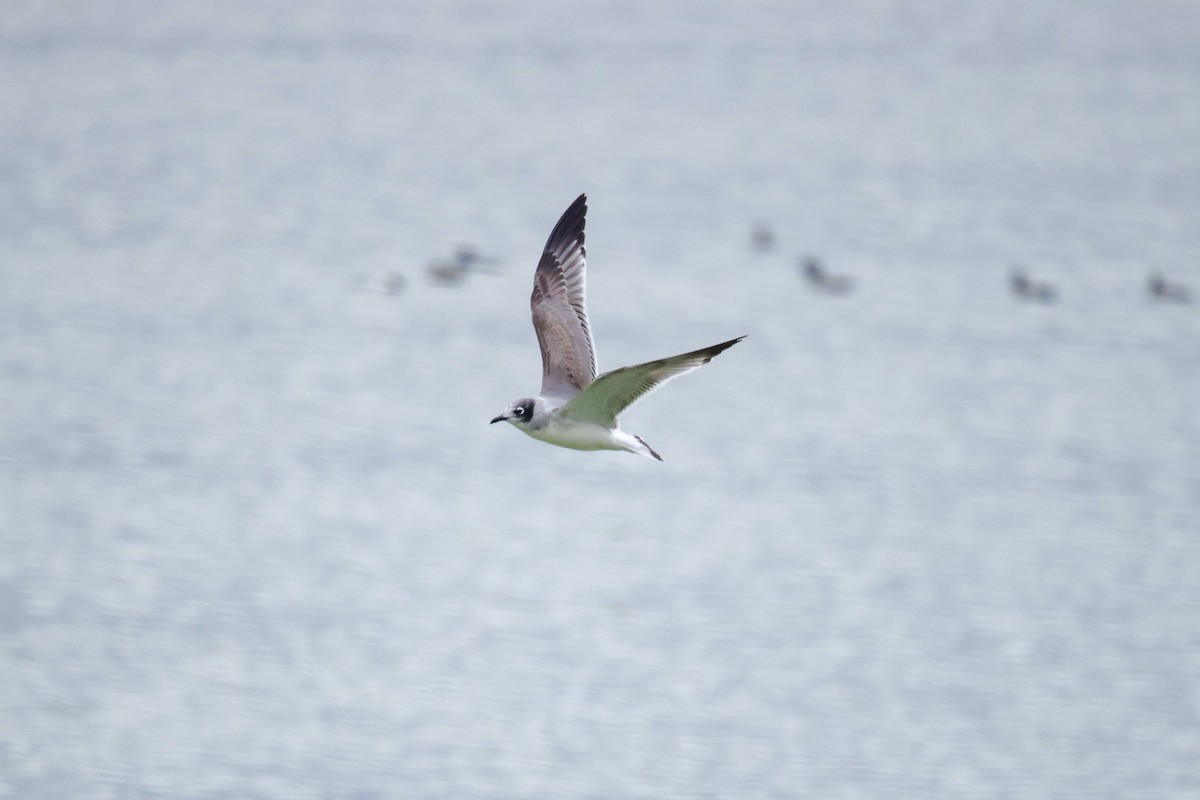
column 257, row 539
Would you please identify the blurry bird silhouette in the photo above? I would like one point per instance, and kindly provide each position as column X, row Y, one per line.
column 451, row 271
column 390, row 283
column 394, row 283
column 821, row 280
column 1160, row 289
column 1025, row 288
column 762, row 238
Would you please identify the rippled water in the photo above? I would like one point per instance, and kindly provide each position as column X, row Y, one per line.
column 257, row 538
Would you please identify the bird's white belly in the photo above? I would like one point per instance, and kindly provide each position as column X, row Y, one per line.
column 575, row 435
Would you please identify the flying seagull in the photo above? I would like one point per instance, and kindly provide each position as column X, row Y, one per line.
column 576, row 409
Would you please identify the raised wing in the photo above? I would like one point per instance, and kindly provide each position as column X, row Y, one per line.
column 559, row 308
column 610, row 394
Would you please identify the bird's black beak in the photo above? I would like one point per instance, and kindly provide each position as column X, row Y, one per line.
column 500, row 418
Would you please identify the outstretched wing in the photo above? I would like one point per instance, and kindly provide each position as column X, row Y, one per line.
column 601, row 401
column 559, row 308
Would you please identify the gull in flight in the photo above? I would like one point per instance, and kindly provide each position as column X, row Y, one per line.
column 575, row 408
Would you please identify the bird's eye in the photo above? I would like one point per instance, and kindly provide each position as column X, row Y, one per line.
column 519, row 410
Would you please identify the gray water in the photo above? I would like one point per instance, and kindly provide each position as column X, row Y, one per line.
column 257, row 539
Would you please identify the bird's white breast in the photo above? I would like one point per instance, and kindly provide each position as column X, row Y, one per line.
column 575, row 435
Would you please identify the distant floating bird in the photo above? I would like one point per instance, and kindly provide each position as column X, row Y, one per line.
column 819, row 279
column 394, row 283
column 762, row 238
column 1160, row 289
column 450, row 272
column 391, row 283
column 1026, row 289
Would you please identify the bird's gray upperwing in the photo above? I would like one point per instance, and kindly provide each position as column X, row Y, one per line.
column 559, row 307
column 601, row 401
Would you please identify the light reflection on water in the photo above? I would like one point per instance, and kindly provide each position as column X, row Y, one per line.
column 922, row 539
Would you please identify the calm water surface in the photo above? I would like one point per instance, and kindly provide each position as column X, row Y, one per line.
column 257, row 539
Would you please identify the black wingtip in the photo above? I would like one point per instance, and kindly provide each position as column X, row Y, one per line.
column 653, row 452
column 712, row 352
column 569, row 227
